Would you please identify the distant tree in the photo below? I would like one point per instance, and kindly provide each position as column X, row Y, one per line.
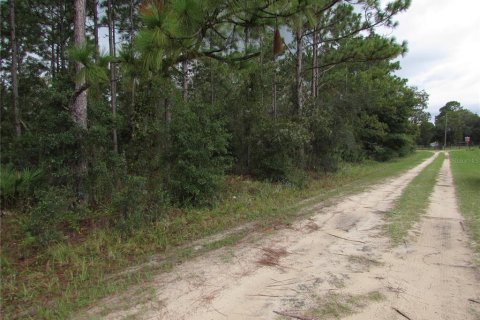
column 459, row 122
column 426, row 132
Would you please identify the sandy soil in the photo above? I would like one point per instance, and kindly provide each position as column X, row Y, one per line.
column 339, row 263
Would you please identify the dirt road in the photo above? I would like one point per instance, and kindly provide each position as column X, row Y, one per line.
column 337, row 264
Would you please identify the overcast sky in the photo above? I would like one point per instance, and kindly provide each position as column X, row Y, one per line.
column 444, row 50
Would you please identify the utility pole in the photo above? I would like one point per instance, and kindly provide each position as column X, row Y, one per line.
column 445, row 138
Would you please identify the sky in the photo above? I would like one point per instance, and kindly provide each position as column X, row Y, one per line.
column 443, row 50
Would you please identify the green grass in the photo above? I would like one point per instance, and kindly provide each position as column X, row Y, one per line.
column 465, row 166
column 67, row 277
column 413, row 202
column 338, row 306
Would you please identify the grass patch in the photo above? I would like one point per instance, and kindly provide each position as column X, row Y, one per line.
column 364, row 261
column 337, row 306
column 66, row 277
column 413, row 201
column 465, row 166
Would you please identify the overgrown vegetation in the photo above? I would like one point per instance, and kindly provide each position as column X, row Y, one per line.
column 191, row 124
column 65, row 276
column 465, row 166
column 412, row 203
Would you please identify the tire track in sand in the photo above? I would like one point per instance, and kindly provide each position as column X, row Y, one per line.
column 313, row 258
column 433, row 277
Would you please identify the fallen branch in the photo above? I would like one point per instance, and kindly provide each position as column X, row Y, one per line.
column 401, row 313
column 473, row 300
column 334, row 235
column 294, row 316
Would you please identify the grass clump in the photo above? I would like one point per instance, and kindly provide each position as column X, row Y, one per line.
column 337, row 306
column 413, row 201
column 465, row 166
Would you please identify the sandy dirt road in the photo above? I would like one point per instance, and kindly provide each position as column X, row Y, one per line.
column 336, row 264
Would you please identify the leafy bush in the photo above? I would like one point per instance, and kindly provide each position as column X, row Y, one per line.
column 197, row 155
column 394, row 145
column 136, row 204
column 403, row 144
column 104, row 176
column 17, row 185
column 276, row 148
column 41, row 224
column 127, row 204
column 381, row 153
column 297, row 178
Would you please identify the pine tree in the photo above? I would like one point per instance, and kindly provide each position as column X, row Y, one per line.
column 14, row 70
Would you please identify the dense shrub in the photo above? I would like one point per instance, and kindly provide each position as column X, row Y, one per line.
column 137, row 204
column 197, row 156
column 394, row 145
column 42, row 223
column 17, row 185
column 277, row 148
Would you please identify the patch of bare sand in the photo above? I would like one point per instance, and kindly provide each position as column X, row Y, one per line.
column 339, row 253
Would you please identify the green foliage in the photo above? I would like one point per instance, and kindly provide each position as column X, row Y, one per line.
column 197, row 156
column 95, row 66
column 460, row 123
column 426, row 133
column 42, row 223
column 276, row 149
column 136, row 205
column 17, row 185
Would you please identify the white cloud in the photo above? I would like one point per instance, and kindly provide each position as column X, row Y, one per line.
column 444, row 45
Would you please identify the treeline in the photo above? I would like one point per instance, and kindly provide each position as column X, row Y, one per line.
column 452, row 125
column 188, row 92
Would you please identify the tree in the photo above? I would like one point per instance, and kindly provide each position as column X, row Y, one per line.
column 426, row 133
column 13, row 42
column 459, row 122
column 113, row 70
column 79, row 106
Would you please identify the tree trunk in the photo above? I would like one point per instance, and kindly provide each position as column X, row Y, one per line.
column 315, row 64
column 14, row 70
column 132, row 99
column 113, row 83
column 168, row 110
column 132, row 21
column 62, row 38
column 298, row 70
column 299, row 84
column 52, row 60
column 274, row 89
column 79, row 104
column 95, row 24
column 79, row 110
column 57, row 54
column 185, row 80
